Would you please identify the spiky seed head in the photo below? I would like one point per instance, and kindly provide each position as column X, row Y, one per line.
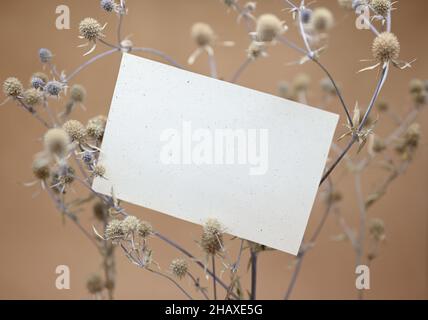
column 305, row 15
column 255, row 50
column 301, row 82
column 96, row 127
column 41, row 168
column 346, row 4
column 99, row 171
column 77, row 93
column 416, row 86
column 54, row 88
column 413, row 135
column 63, row 176
column 75, row 129
column 41, row 75
column 145, row 229
column 37, row 83
column 268, row 27
column 45, row 55
column 202, row 34
column 130, row 224
column 12, row 87
column 100, row 210
column 32, row 97
column 90, row 29
column 179, row 268
column 56, row 141
column 420, row 98
column 108, row 5
column 114, row 230
column 38, row 80
column 88, row 157
column 322, row 20
column 212, row 237
column 386, row 47
column 376, row 144
column 95, row 284
column 381, row 7
column 377, row 229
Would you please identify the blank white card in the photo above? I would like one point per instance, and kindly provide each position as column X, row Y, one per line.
column 197, row 148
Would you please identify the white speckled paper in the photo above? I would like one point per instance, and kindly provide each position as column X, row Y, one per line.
column 271, row 208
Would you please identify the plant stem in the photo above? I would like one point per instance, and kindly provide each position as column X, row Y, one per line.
column 253, row 274
column 173, row 281
column 214, row 275
column 189, row 255
column 354, row 138
column 90, row 61
column 159, row 54
column 241, row 68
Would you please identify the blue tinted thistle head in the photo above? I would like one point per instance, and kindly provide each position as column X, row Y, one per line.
column 45, row 55
column 108, row 5
column 37, row 83
column 53, row 88
column 305, row 15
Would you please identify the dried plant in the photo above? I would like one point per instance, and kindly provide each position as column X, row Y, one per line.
column 71, row 149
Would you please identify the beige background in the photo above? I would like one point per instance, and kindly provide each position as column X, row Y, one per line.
column 33, row 240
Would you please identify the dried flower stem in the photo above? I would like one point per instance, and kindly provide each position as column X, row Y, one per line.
column 253, row 274
column 173, row 281
column 213, row 277
column 241, row 69
column 159, row 54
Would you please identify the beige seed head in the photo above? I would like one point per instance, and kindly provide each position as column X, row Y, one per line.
column 386, row 47
column 90, row 29
column 381, row 7
column 12, row 87
column 40, row 75
column 301, row 82
column 322, row 20
column 179, row 268
column 99, row 171
column 145, row 229
column 416, row 86
column 268, row 27
column 75, row 129
column 32, row 97
column 41, row 168
column 114, row 230
column 255, row 50
column 202, row 34
column 77, row 93
column 95, row 284
column 100, row 211
column 130, row 224
column 413, row 135
column 96, row 126
column 56, row 141
column 212, row 237
column 377, row 229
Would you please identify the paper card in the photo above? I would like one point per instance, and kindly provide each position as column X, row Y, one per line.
column 196, row 148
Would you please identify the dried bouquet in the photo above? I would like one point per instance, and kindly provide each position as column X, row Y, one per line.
column 71, row 149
